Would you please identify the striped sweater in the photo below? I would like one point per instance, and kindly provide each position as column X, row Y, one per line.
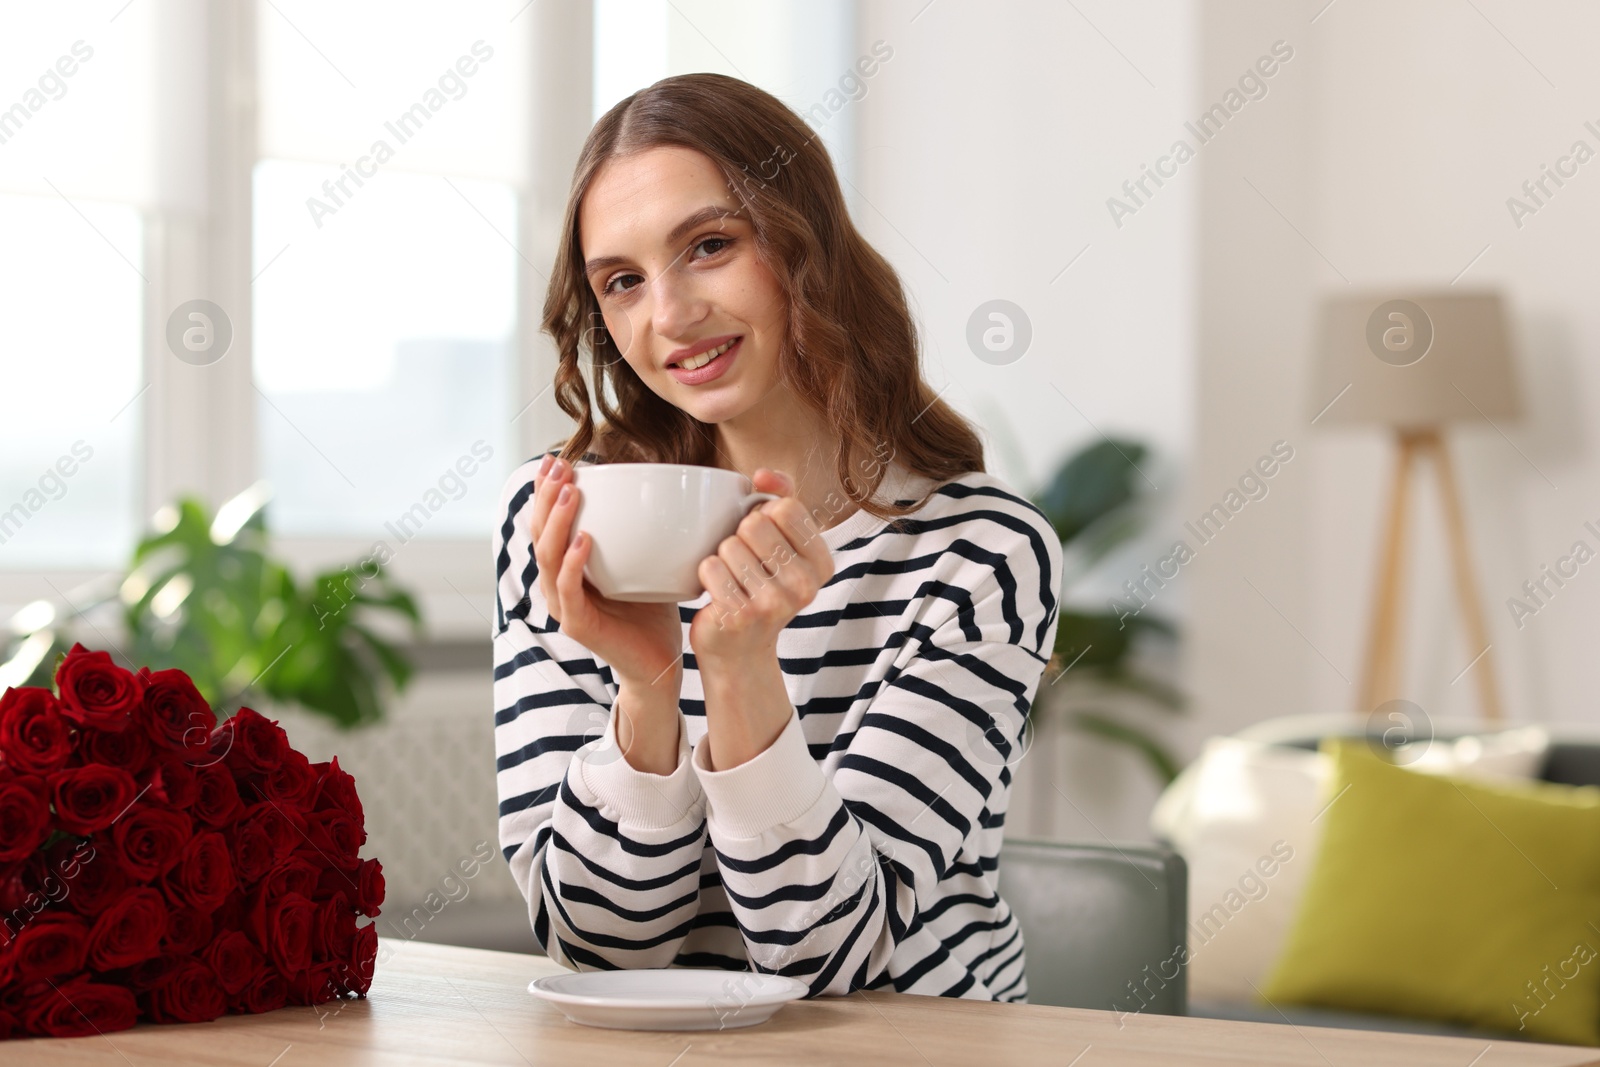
column 860, row 849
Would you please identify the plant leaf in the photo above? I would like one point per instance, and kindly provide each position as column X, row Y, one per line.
column 247, row 625
column 1094, row 481
column 1160, row 760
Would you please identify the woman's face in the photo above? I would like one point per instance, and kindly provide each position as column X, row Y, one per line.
column 673, row 265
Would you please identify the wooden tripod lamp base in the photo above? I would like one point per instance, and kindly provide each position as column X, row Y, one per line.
column 1381, row 678
column 1415, row 362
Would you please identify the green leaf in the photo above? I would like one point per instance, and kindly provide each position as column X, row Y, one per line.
column 1093, row 482
column 396, row 665
column 248, row 629
column 1100, row 639
column 1106, row 534
column 1160, row 760
column 1152, row 689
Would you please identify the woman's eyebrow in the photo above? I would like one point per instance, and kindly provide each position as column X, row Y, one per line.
column 709, row 213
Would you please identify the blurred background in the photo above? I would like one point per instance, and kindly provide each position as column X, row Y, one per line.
column 297, row 251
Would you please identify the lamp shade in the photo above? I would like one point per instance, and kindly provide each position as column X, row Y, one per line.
column 1413, row 359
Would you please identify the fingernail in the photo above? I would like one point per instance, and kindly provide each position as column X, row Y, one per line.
column 544, row 464
column 565, row 494
column 558, row 469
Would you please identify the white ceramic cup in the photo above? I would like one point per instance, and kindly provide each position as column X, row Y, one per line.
column 651, row 524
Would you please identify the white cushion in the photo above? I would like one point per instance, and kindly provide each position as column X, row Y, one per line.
column 1509, row 754
column 1247, row 817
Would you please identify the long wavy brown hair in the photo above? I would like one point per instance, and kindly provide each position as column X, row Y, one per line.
column 850, row 349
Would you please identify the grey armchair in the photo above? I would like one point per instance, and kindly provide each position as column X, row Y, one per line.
column 1104, row 925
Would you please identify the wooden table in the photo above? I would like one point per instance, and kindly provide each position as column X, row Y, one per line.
column 433, row 1004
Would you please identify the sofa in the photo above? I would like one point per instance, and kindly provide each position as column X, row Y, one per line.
column 1572, row 758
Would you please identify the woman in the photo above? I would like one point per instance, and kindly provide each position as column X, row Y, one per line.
column 806, row 768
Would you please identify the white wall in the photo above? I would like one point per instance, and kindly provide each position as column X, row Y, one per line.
column 1245, row 662
column 987, row 148
column 1403, row 131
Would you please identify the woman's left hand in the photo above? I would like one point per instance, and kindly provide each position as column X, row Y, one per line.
column 762, row 576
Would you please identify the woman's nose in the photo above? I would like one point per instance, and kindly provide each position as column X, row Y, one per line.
column 678, row 303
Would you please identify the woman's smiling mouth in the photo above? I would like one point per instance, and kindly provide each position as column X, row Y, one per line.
column 706, row 365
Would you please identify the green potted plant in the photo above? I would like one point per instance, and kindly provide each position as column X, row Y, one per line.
column 202, row 594
column 1096, row 501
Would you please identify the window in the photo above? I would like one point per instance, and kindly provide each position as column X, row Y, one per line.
column 384, row 358
column 370, row 192
column 76, row 176
column 68, row 476
column 386, row 265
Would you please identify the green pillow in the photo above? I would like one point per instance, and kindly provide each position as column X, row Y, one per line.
column 1473, row 903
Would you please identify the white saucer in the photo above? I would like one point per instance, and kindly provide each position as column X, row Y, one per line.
column 668, row 999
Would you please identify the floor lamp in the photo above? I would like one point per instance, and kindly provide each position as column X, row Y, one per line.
column 1414, row 362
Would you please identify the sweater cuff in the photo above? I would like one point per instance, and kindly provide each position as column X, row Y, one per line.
column 635, row 798
column 773, row 788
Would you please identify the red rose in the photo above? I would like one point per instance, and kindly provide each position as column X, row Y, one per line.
column 188, row 931
column 50, row 944
column 68, row 855
column 335, row 932
column 216, row 798
column 176, row 716
column 34, row 738
column 249, row 743
column 362, row 887
column 17, row 881
column 172, row 783
column 128, row 749
column 148, row 841
column 336, row 836
column 293, row 875
column 336, row 791
column 253, row 851
column 90, row 797
column 99, row 882
column 95, row 691
column 31, row 888
column 24, row 815
column 265, row 991
column 154, row 972
column 231, row 915
column 369, row 888
column 333, row 882
column 284, row 827
column 203, row 875
column 316, row 984
column 128, row 931
column 79, row 1007
column 290, row 783
column 358, row 975
column 190, row 995
column 234, row 960
column 282, row 931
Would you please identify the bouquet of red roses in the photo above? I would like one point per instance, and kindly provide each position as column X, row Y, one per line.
column 155, row 865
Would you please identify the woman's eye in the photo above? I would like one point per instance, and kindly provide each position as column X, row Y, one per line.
column 611, row 286
column 720, row 242
column 616, row 286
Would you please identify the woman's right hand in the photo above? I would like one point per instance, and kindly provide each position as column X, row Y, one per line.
column 641, row 642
